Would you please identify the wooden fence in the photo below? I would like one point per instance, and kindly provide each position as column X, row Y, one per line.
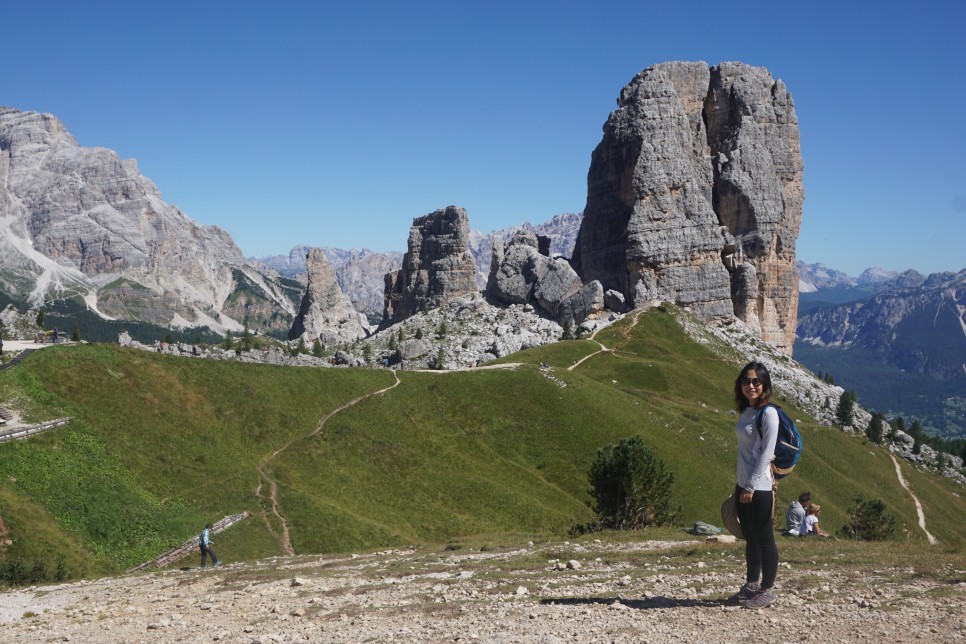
column 188, row 546
column 29, row 430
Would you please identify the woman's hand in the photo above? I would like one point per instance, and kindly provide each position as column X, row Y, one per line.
column 745, row 496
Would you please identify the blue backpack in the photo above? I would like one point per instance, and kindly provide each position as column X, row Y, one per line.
column 788, row 447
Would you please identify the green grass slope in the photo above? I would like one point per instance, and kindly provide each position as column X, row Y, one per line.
column 160, row 445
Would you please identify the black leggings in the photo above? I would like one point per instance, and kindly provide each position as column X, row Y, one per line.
column 761, row 552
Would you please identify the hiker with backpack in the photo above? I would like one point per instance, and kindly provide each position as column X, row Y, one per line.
column 754, row 490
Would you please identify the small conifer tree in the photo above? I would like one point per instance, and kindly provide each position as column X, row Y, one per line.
column 246, row 339
column 317, row 349
column 631, row 487
column 875, row 429
column 917, row 436
column 845, row 412
column 568, row 330
column 869, row 521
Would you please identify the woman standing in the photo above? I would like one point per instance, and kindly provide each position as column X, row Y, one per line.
column 755, row 487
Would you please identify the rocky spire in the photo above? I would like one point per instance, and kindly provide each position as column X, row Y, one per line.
column 694, row 196
column 437, row 267
column 326, row 312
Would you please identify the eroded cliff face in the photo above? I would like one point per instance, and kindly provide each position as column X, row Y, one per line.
column 436, row 269
column 694, row 196
column 81, row 221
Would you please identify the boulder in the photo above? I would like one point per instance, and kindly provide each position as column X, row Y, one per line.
column 521, row 272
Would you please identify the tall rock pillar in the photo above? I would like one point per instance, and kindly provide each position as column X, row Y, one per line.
column 437, row 267
column 694, row 196
column 326, row 312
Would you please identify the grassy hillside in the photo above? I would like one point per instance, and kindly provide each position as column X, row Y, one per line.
column 159, row 445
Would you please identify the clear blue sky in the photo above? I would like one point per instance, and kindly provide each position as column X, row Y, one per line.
column 334, row 124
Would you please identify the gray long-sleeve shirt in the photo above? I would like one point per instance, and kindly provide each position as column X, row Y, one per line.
column 756, row 452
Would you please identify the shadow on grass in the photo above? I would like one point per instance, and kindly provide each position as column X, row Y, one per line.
column 648, row 603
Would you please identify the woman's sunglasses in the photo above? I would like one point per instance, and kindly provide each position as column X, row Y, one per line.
column 751, row 381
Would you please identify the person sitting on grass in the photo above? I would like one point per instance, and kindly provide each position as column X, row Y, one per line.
column 810, row 526
column 796, row 514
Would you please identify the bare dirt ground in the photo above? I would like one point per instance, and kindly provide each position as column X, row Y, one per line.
column 648, row 591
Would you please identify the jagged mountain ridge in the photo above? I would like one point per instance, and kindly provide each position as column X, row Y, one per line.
column 81, row 222
column 915, row 322
column 181, row 284
column 902, row 348
column 813, row 277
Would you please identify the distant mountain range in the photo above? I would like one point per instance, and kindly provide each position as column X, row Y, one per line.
column 898, row 339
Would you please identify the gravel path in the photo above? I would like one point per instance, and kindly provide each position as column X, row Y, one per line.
column 595, row 592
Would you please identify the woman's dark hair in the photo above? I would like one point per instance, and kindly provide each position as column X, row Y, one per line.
column 761, row 371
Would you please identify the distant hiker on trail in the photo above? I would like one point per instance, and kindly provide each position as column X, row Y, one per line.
column 204, row 542
column 755, row 484
column 796, row 514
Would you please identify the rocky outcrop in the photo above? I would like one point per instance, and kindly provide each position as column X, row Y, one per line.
column 561, row 231
column 361, row 276
column 436, row 268
column 81, row 222
column 522, row 272
column 326, row 312
column 694, row 196
column 360, row 273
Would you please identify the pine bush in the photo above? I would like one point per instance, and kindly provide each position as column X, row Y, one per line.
column 869, row 521
column 631, row 487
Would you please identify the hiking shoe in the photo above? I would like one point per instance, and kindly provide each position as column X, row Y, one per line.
column 748, row 590
column 761, row 599
column 745, row 593
column 217, row 563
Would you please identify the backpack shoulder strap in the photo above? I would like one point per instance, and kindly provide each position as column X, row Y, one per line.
column 760, row 419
